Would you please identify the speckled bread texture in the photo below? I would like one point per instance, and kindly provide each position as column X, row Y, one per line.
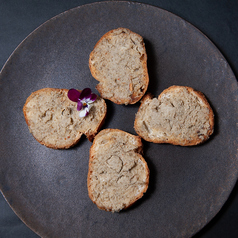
column 119, row 62
column 180, row 116
column 54, row 121
column 118, row 174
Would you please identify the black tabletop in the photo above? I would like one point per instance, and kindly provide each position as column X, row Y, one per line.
column 218, row 20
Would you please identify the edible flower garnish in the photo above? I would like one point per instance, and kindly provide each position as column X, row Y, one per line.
column 84, row 100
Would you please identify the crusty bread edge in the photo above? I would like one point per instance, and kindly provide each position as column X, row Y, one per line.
column 139, row 151
column 146, row 99
column 90, row 136
column 134, row 98
column 200, row 95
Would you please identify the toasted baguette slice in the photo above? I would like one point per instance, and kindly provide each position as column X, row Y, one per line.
column 54, row 120
column 119, row 62
column 180, row 116
column 118, row 175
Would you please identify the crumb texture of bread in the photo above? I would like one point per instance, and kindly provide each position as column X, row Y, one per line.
column 118, row 174
column 180, row 116
column 54, row 121
column 119, row 62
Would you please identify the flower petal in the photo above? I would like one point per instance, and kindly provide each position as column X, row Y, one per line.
column 88, row 100
column 88, row 107
column 79, row 106
column 73, row 95
column 93, row 97
column 83, row 112
column 85, row 93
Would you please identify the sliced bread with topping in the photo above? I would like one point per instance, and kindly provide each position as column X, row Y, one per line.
column 119, row 62
column 179, row 116
column 54, row 121
column 118, row 175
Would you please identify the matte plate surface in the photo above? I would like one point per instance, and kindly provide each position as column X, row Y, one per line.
column 188, row 185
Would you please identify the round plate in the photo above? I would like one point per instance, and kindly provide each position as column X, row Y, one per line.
column 48, row 188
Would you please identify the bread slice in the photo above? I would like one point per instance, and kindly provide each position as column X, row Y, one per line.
column 118, row 175
column 180, row 116
column 119, row 62
column 54, row 120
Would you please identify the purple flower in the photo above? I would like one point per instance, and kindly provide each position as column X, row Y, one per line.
column 84, row 100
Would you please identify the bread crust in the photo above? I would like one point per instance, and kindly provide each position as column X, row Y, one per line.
column 90, row 134
column 136, row 94
column 94, row 157
column 173, row 140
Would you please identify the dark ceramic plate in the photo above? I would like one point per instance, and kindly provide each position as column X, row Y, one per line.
column 188, row 185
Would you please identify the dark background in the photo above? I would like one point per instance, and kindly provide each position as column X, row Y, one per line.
column 218, row 19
